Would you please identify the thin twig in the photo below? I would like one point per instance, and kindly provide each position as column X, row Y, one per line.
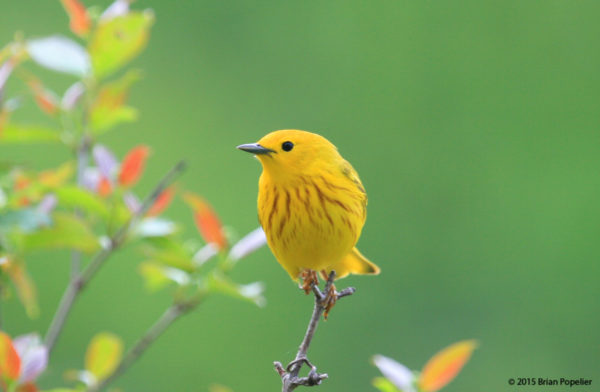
column 68, row 297
column 289, row 375
column 75, row 264
column 83, row 153
column 76, row 285
column 172, row 314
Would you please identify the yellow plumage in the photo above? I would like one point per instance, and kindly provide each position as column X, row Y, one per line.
column 311, row 204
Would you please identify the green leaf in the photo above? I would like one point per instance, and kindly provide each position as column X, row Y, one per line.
column 399, row 375
column 66, row 232
column 158, row 276
column 219, row 388
column 80, row 376
column 384, row 385
column 103, row 354
column 54, row 178
column 25, row 219
column 117, row 41
column 153, row 276
column 109, row 108
column 60, row 54
column 75, row 197
column 104, row 118
column 16, row 133
column 60, row 390
column 248, row 292
column 170, row 252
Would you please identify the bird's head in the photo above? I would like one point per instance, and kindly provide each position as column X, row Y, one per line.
column 289, row 152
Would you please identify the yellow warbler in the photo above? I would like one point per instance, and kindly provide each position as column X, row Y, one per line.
column 311, row 204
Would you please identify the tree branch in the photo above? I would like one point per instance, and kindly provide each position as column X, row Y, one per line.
column 172, row 314
column 83, row 153
column 78, row 282
column 289, row 375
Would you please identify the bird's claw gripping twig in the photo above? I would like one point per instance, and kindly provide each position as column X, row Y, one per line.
column 324, row 300
column 314, row 378
column 309, row 280
column 330, row 295
column 299, row 361
column 291, row 380
column 330, row 300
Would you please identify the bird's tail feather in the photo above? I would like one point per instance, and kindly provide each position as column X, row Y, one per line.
column 355, row 263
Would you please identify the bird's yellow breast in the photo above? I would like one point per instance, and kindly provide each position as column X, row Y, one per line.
column 311, row 222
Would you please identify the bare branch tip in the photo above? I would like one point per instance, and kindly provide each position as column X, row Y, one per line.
column 346, row 292
column 331, row 277
column 279, row 368
column 181, row 165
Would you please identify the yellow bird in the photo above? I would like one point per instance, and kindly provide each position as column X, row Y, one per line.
column 311, row 205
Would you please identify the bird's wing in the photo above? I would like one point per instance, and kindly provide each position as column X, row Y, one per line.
column 351, row 174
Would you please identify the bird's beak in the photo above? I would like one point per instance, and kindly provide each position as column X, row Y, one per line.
column 255, row 148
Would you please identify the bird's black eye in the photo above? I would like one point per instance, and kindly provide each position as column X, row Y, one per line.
column 287, row 146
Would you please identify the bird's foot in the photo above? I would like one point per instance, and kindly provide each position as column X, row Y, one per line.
column 289, row 375
column 309, row 278
column 330, row 299
column 331, row 295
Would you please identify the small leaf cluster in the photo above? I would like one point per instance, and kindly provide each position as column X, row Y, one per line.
column 22, row 360
column 102, row 356
column 442, row 368
column 93, row 104
column 89, row 205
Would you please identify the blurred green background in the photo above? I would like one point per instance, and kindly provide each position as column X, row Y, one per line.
column 475, row 128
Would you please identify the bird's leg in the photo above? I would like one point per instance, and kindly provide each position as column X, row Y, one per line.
column 309, row 278
column 324, row 275
column 331, row 294
column 323, row 301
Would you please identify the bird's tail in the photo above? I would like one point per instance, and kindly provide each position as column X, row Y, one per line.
column 355, row 263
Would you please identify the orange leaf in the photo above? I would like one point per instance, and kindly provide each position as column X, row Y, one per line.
column 25, row 288
column 114, row 94
column 445, row 365
column 46, row 103
column 207, row 221
column 44, row 99
column 162, row 202
column 27, row 387
column 80, row 22
column 133, row 165
column 104, row 187
column 23, row 202
column 21, row 182
column 10, row 363
column 110, row 107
